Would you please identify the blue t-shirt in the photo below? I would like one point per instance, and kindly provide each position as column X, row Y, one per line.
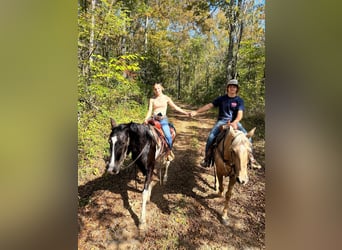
column 228, row 107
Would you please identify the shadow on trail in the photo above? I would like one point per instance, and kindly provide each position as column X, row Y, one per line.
column 118, row 184
column 184, row 178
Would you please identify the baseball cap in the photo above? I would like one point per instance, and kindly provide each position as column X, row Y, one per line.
column 233, row 82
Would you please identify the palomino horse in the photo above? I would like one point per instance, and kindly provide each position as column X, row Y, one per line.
column 231, row 159
column 139, row 140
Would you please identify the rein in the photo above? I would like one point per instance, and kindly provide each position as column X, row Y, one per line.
column 137, row 157
column 222, row 152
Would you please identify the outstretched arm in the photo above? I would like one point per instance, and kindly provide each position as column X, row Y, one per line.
column 202, row 109
column 174, row 106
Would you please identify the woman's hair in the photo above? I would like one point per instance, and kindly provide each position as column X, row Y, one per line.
column 157, row 83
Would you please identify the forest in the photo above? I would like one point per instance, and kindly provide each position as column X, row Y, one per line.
column 193, row 47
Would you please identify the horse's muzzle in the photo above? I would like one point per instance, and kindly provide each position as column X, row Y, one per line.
column 112, row 170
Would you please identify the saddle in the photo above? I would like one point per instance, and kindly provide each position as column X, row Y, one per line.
column 158, row 133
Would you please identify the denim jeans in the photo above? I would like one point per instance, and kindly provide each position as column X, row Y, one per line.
column 216, row 130
column 167, row 132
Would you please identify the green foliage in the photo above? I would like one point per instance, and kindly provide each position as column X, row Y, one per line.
column 252, row 68
column 255, row 120
column 115, row 68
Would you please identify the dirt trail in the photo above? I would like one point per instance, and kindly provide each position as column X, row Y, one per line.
column 184, row 213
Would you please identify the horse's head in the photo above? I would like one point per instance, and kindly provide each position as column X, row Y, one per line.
column 118, row 141
column 241, row 148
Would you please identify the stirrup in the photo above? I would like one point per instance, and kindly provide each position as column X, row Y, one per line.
column 255, row 164
column 170, row 156
column 205, row 164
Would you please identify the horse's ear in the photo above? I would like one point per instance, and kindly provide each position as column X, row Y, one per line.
column 112, row 122
column 251, row 132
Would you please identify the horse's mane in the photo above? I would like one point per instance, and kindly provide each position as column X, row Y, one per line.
column 140, row 129
column 241, row 138
column 137, row 127
column 132, row 126
column 138, row 133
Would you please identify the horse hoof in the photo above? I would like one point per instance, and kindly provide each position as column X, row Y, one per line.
column 142, row 227
column 225, row 221
column 164, row 180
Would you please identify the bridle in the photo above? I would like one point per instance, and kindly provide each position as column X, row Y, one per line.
column 129, row 165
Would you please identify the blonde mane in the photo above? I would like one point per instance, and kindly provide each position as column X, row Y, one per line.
column 239, row 138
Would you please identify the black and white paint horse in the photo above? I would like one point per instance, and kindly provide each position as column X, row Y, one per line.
column 139, row 140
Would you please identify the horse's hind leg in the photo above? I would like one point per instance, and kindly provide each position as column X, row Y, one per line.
column 232, row 181
column 167, row 164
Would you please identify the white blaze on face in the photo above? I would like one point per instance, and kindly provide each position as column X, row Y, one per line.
column 243, row 175
column 112, row 158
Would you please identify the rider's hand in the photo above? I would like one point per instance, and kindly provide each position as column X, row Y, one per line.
column 234, row 125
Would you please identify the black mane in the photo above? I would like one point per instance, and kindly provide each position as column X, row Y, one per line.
column 141, row 139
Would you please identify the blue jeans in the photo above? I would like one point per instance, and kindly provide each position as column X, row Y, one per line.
column 167, row 132
column 216, row 130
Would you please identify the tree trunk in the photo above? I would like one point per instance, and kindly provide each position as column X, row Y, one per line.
column 92, row 33
column 145, row 45
column 230, row 54
column 235, row 35
column 145, row 41
column 92, row 29
column 178, row 83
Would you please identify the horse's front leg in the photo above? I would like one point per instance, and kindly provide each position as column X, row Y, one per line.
column 220, row 184
column 232, row 181
column 146, row 196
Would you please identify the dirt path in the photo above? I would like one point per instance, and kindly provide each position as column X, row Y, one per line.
column 184, row 213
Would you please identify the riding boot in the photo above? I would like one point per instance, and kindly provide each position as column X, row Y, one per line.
column 253, row 162
column 206, row 163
